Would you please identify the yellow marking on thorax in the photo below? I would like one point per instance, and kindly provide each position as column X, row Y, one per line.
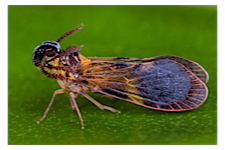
column 71, row 76
column 62, row 73
column 58, row 72
column 55, row 62
column 83, row 59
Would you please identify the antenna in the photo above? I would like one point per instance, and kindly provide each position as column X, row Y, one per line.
column 69, row 32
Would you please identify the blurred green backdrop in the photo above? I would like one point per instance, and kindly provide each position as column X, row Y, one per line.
column 130, row 31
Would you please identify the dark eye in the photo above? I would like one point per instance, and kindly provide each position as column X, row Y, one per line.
column 49, row 52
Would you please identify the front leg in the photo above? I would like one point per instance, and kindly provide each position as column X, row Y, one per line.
column 51, row 102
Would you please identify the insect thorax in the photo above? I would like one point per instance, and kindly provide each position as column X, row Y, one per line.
column 62, row 66
column 70, row 60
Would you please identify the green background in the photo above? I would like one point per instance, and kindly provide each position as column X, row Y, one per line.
column 109, row 31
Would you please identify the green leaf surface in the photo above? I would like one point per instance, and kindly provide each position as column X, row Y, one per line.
column 109, row 31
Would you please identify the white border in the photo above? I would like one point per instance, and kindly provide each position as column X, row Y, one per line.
column 221, row 68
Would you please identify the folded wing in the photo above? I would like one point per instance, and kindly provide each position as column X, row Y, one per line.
column 166, row 83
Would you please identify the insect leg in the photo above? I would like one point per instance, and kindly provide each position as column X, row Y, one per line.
column 51, row 102
column 74, row 104
column 98, row 104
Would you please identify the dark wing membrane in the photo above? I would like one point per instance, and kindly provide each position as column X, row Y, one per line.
column 162, row 84
column 197, row 69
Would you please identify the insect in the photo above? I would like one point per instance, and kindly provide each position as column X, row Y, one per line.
column 166, row 83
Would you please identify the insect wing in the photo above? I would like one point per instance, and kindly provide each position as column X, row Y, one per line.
column 194, row 67
column 160, row 83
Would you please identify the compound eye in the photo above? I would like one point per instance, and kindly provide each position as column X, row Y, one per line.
column 50, row 52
